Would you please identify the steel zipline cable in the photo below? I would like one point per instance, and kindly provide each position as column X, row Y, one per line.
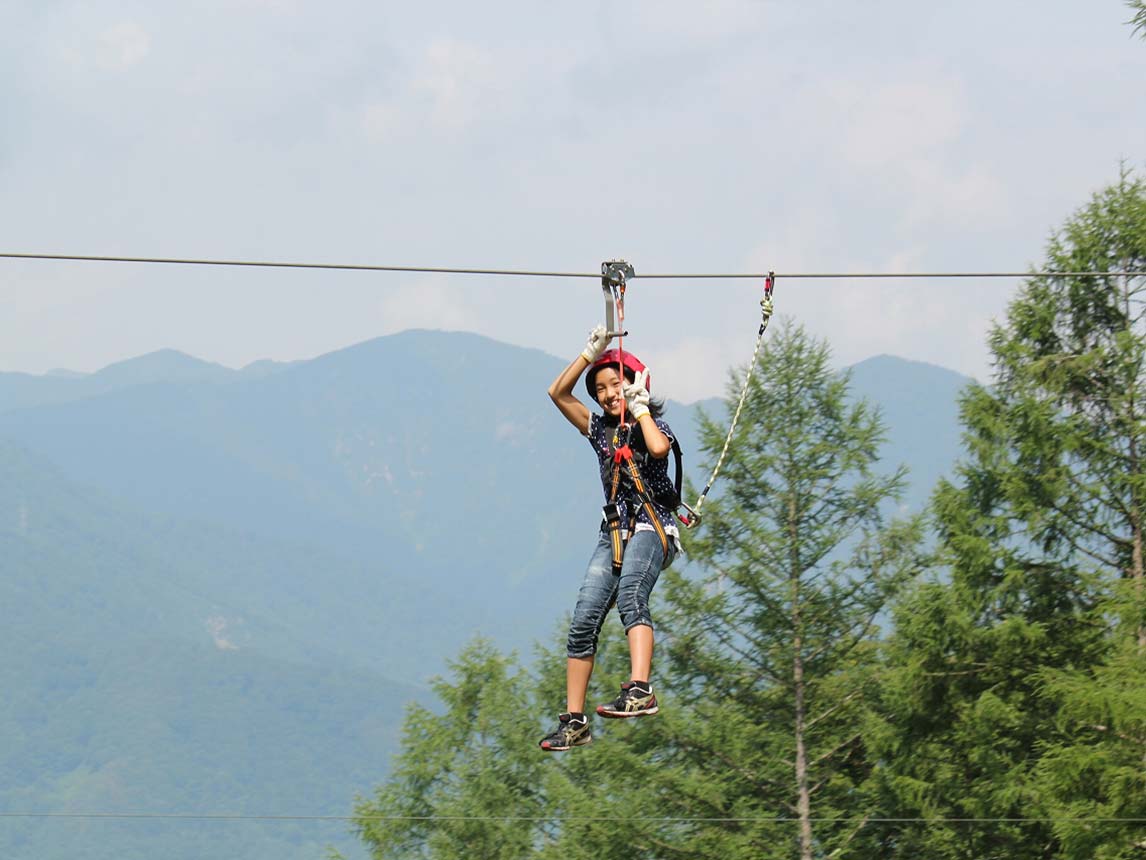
column 443, row 270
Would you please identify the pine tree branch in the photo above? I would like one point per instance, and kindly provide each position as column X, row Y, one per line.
column 746, row 657
column 833, row 709
column 980, row 667
column 834, row 646
column 1130, row 739
column 855, row 832
column 1085, row 526
column 1113, row 497
column 831, row 753
column 687, row 850
column 1089, row 552
column 734, row 766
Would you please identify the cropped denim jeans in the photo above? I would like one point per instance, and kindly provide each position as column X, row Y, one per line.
column 644, row 560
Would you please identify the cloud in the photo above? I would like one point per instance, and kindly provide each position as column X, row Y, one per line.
column 380, row 121
column 122, row 46
column 447, row 86
column 688, row 21
column 973, row 197
column 883, row 124
column 908, row 139
column 458, row 79
column 695, row 366
column 434, row 303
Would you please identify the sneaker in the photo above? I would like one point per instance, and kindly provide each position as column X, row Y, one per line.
column 634, row 701
column 570, row 732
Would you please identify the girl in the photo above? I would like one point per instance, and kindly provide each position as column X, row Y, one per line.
column 637, row 540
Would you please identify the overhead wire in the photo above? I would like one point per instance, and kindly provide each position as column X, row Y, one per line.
column 533, row 273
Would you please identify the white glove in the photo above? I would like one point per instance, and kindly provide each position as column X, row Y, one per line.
column 599, row 338
column 637, row 395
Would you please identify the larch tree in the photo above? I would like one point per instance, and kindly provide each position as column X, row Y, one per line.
column 1042, row 537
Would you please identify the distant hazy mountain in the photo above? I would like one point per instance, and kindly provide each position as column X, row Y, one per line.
column 919, row 403
column 156, row 666
column 220, row 586
column 22, row 390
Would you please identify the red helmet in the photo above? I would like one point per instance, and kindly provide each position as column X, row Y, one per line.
column 611, row 358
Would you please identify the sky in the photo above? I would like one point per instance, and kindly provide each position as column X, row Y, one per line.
column 704, row 137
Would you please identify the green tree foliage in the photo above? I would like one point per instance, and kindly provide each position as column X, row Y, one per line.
column 463, row 775
column 1044, row 524
column 771, row 652
column 1139, row 19
column 1094, row 772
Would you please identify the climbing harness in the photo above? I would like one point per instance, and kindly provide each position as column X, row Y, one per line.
column 625, row 460
column 693, row 518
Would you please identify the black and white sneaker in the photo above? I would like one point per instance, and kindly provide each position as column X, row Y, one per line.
column 634, row 701
column 570, row 732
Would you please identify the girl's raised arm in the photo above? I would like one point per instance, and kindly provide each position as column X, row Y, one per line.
column 561, row 390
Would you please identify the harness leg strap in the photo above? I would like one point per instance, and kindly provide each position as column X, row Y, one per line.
column 613, row 523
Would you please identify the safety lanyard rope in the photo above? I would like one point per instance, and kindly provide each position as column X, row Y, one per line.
column 621, row 346
column 766, row 314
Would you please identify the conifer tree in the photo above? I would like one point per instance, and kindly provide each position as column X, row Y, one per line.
column 1043, row 524
column 466, row 783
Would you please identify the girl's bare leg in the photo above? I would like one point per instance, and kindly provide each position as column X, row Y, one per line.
column 577, row 672
column 640, row 652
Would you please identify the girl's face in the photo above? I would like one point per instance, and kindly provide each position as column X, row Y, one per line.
column 609, row 393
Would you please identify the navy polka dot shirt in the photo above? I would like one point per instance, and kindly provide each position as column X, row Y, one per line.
column 655, row 473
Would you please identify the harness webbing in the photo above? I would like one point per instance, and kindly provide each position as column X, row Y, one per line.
column 647, row 504
column 624, row 454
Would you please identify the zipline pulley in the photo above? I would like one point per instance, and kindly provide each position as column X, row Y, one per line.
column 614, row 277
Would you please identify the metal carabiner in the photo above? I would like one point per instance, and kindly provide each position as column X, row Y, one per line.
column 693, row 518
